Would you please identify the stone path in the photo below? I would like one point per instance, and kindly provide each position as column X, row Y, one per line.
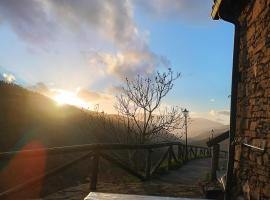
column 189, row 174
column 183, row 182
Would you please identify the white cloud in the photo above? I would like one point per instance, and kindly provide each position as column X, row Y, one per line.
column 127, row 63
column 212, row 100
column 40, row 23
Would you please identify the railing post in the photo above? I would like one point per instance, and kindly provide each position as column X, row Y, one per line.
column 181, row 152
column 148, row 165
column 170, row 157
column 215, row 160
column 94, row 171
column 196, row 152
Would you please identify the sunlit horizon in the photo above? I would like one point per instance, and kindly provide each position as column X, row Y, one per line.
column 64, row 50
column 70, row 98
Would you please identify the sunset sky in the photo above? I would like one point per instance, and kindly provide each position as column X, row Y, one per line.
column 83, row 50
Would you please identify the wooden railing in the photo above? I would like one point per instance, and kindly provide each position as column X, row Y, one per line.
column 174, row 152
column 216, row 153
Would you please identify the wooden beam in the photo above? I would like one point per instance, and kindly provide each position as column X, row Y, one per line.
column 148, row 164
column 155, row 168
column 215, row 160
column 215, row 9
column 84, row 147
column 218, row 139
column 121, row 165
column 94, row 171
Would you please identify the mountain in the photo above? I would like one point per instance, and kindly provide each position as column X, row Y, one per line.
column 197, row 126
column 30, row 120
column 200, row 129
column 28, row 117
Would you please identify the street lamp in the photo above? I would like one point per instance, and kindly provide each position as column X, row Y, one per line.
column 185, row 112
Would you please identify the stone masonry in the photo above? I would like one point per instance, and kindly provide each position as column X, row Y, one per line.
column 251, row 166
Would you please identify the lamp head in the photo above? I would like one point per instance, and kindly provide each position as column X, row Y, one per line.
column 185, row 112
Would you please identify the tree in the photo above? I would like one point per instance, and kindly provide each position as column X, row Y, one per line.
column 140, row 105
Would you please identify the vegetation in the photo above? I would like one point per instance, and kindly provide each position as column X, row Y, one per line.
column 139, row 104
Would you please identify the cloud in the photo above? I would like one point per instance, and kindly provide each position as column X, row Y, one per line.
column 41, row 22
column 192, row 10
column 88, row 95
column 29, row 19
column 113, row 19
column 128, row 63
column 212, row 100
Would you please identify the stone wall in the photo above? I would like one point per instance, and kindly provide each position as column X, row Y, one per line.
column 251, row 166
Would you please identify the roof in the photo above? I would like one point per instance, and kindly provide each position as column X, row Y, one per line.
column 215, row 9
column 227, row 9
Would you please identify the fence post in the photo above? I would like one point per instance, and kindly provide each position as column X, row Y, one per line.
column 179, row 152
column 94, row 171
column 170, row 157
column 148, row 165
column 215, row 160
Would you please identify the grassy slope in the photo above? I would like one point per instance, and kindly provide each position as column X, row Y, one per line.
column 28, row 116
column 31, row 120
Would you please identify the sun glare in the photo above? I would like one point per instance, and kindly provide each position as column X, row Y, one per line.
column 68, row 97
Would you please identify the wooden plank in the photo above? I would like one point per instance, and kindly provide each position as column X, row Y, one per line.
column 155, row 168
column 169, row 157
column 218, row 139
column 215, row 160
column 94, row 171
column 148, row 164
column 84, row 147
column 180, row 152
column 174, row 156
column 121, row 165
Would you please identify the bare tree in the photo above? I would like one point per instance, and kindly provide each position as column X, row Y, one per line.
column 140, row 105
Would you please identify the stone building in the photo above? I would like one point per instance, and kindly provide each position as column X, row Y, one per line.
column 248, row 174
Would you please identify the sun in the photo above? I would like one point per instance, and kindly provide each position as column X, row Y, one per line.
column 69, row 97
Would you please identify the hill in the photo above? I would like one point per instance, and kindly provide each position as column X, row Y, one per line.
column 31, row 120
column 28, row 117
column 200, row 130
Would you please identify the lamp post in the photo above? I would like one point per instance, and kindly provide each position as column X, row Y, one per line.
column 185, row 112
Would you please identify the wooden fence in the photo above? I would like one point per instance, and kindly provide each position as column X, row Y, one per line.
column 174, row 152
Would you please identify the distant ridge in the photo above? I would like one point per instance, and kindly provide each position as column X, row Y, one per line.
column 200, row 130
column 28, row 116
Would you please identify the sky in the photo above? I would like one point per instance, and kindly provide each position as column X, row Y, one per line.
column 82, row 51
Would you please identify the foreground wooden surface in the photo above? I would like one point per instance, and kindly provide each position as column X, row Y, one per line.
column 109, row 196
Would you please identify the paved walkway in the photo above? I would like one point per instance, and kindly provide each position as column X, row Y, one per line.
column 190, row 173
column 183, row 182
